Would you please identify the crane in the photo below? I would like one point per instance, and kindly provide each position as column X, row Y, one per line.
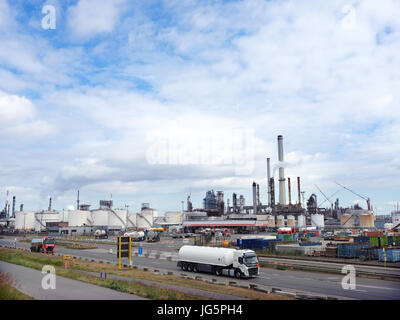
column 366, row 199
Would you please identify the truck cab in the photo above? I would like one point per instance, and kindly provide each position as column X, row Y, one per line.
column 247, row 262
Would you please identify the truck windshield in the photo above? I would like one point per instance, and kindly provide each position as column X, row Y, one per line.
column 248, row 260
column 49, row 241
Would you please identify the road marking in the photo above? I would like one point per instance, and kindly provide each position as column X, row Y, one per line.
column 375, row 287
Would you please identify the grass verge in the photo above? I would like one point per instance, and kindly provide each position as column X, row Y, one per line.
column 8, row 290
column 37, row 260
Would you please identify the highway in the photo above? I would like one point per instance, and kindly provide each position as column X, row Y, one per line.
column 29, row 281
column 314, row 282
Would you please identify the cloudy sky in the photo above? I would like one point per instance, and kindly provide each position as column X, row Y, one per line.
column 149, row 101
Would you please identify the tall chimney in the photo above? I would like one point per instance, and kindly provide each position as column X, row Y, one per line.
column 254, row 198
column 49, row 204
column 77, row 202
column 13, row 207
column 7, row 207
column 298, row 190
column 234, row 202
column 21, row 207
column 272, row 187
column 290, row 192
column 268, row 180
column 282, row 191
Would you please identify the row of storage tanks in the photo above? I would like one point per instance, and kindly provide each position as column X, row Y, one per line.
column 317, row 220
column 101, row 217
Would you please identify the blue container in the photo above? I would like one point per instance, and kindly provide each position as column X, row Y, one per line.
column 350, row 250
column 391, row 255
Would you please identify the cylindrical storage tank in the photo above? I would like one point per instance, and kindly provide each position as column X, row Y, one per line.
column 280, row 221
column 78, row 218
column 64, row 216
column 153, row 212
column 99, row 217
column 271, row 221
column 347, row 221
column 367, row 221
column 291, row 221
column 24, row 220
column 173, row 217
column 42, row 218
column 317, row 220
column 301, row 221
column 131, row 220
column 117, row 217
column 144, row 220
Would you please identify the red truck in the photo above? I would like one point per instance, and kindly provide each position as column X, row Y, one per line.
column 44, row 245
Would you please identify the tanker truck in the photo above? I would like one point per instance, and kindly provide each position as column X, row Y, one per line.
column 136, row 235
column 219, row 261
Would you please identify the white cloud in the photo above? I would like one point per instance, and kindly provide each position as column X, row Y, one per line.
column 92, row 17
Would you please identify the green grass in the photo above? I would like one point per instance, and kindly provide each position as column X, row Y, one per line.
column 8, row 290
column 36, row 261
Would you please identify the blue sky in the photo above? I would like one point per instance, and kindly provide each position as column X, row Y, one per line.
column 152, row 100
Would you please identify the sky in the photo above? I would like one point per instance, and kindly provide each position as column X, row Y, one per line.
column 152, row 101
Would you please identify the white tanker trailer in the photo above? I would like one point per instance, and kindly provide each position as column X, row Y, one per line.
column 220, row 261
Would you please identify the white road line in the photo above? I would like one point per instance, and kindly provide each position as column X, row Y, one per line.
column 375, row 287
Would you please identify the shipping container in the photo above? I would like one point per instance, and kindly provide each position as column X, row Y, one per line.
column 392, row 255
column 352, row 250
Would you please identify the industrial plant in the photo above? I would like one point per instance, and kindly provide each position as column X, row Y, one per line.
column 287, row 209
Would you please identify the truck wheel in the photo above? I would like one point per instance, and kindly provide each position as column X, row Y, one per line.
column 190, row 268
column 184, row 266
column 238, row 274
column 195, row 268
column 218, row 271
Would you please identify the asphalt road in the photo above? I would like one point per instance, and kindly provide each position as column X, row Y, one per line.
column 29, row 281
column 314, row 282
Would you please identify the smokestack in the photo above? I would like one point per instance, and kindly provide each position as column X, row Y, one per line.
column 49, row 204
column 298, row 190
column 13, row 207
column 282, row 191
column 234, row 202
column 254, row 198
column 21, row 207
column 7, row 209
column 268, row 179
column 290, row 193
column 77, row 202
column 272, row 187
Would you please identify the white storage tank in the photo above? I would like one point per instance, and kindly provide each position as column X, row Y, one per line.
column 117, row 217
column 271, row 221
column 173, row 217
column 63, row 215
column 291, row 221
column 131, row 220
column 78, row 218
column 144, row 220
column 317, row 220
column 301, row 221
column 24, row 220
column 42, row 218
column 280, row 221
column 99, row 217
